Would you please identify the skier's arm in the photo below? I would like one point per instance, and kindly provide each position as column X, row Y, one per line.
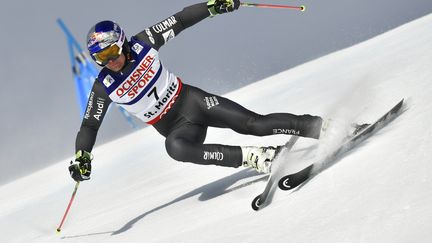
column 157, row 35
column 97, row 107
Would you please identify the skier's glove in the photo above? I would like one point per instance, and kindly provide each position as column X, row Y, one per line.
column 80, row 169
column 216, row 7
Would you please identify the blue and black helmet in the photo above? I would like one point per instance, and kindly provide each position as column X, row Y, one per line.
column 103, row 35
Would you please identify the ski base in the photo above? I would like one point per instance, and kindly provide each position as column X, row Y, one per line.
column 291, row 181
column 259, row 200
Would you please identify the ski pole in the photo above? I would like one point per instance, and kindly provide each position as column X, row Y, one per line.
column 68, row 207
column 259, row 5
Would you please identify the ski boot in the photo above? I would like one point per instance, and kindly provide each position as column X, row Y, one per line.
column 260, row 158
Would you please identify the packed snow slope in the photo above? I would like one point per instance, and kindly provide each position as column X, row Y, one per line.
column 380, row 191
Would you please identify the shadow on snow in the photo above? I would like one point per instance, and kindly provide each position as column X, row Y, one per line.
column 206, row 192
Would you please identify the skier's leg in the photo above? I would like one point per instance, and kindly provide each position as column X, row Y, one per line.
column 221, row 112
column 185, row 143
column 200, row 109
column 248, row 122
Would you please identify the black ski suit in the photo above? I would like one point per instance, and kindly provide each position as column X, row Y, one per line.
column 185, row 124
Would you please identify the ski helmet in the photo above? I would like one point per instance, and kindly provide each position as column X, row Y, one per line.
column 105, row 41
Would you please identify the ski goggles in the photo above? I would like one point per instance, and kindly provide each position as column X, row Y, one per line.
column 110, row 53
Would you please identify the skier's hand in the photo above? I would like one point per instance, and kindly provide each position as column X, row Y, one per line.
column 80, row 169
column 216, row 7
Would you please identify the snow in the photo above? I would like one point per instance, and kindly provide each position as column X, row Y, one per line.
column 379, row 192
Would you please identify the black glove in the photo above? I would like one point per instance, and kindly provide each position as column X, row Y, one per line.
column 222, row 6
column 80, row 169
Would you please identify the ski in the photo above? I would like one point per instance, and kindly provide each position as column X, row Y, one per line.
column 291, row 181
column 261, row 198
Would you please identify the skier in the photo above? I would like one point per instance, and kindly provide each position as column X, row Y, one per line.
column 133, row 77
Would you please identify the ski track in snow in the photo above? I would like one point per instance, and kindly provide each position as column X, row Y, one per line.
column 380, row 192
